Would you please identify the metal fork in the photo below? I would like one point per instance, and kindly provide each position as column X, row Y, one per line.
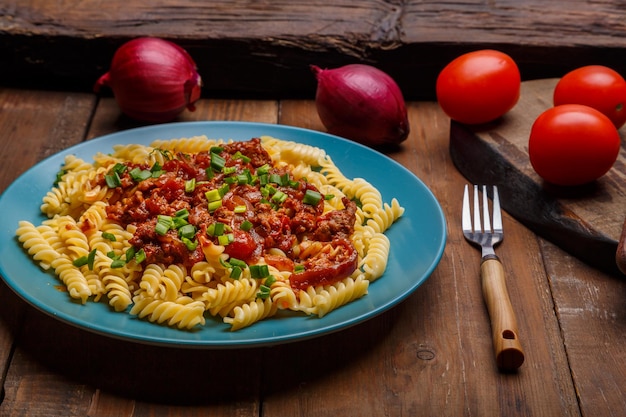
column 508, row 350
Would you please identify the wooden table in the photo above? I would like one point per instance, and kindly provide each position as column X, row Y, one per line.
column 430, row 355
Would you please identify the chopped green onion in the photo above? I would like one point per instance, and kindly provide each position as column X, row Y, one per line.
column 182, row 214
column 191, row 244
column 328, row 197
column 130, row 253
column 118, row 263
column 140, row 256
column 264, row 292
column 215, row 229
column 139, row 174
column 113, row 180
column 235, row 273
column 209, row 173
column 217, row 162
column 246, row 225
column 214, row 205
column 311, row 197
column 226, row 239
column 156, row 170
column 161, row 229
column 190, row 185
column 237, row 262
column 229, row 170
column 223, row 190
column 239, row 155
column 179, row 222
column 279, row 197
column 298, row 268
column 111, row 254
column 276, row 179
column 259, row 271
column 264, row 169
column 213, row 195
column 86, row 260
column 243, row 179
column 119, row 168
column 187, row 231
column 269, row 280
column 109, row 236
column 78, row 262
column 216, row 149
column 240, row 209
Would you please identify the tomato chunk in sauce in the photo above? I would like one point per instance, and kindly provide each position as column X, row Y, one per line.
column 233, row 196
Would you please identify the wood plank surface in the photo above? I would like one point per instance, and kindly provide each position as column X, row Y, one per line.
column 585, row 220
column 591, row 310
column 430, row 355
column 265, row 48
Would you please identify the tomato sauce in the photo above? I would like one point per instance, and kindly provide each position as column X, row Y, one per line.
column 257, row 208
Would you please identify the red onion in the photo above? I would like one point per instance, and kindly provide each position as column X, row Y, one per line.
column 152, row 79
column 361, row 103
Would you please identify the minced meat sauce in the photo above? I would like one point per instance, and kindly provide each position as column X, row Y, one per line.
column 231, row 195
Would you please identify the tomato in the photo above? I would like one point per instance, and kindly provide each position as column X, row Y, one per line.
column 572, row 144
column 243, row 246
column 596, row 86
column 327, row 267
column 479, row 86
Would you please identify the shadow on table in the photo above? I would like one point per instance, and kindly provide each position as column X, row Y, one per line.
column 184, row 375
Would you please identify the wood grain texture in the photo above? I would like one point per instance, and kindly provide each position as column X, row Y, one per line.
column 591, row 310
column 264, row 48
column 586, row 220
column 430, row 355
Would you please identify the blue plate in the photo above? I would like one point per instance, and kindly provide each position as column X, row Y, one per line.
column 417, row 242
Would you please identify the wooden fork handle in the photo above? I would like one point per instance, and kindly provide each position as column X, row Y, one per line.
column 508, row 349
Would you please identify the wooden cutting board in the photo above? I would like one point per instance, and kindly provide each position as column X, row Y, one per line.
column 586, row 221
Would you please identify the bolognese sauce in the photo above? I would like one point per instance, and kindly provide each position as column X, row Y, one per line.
column 232, row 196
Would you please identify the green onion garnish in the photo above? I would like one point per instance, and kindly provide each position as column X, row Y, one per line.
column 246, row 225
column 259, row 271
column 190, row 185
column 191, row 244
column 217, row 162
column 235, row 272
column 311, row 197
column 215, row 229
column 187, row 231
column 109, row 236
column 225, row 239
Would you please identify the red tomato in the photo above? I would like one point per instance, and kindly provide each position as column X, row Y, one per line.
column 327, row 267
column 595, row 86
column 572, row 144
column 479, row 86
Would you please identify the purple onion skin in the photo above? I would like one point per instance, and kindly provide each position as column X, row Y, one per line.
column 152, row 79
column 361, row 103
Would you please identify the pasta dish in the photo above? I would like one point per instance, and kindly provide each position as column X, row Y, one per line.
column 189, row 228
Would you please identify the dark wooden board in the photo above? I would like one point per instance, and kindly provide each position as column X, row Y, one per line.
column 585, row 221
column 264, row 48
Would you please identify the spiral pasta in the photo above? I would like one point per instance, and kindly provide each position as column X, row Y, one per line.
column 96, row 256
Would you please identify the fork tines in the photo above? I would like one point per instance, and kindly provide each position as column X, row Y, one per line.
column 485, row 224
